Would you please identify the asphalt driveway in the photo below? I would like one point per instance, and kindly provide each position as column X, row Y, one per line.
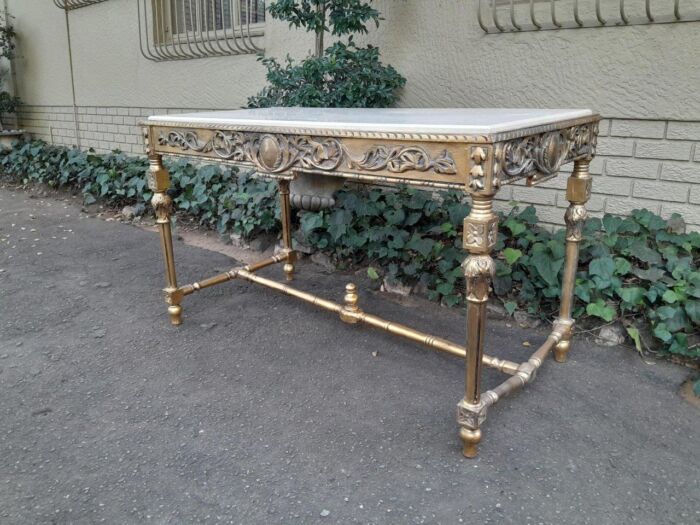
column 260, row 409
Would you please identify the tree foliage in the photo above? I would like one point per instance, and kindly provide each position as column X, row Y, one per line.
column 8, row 102
column 342, row 75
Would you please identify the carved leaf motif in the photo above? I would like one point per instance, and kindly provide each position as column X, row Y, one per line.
column 310, row 153
column 398, row 159
column 185, row 140
column 544, row 153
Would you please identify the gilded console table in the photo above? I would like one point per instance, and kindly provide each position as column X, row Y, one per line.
column 473, row 150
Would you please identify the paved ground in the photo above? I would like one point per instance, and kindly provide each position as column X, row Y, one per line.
column 260, row 409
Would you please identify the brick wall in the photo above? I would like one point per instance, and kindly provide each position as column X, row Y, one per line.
column 653, row 164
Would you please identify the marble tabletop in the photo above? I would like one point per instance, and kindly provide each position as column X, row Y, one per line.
column 448, row 121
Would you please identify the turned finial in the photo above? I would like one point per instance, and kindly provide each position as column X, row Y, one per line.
column 349, row 312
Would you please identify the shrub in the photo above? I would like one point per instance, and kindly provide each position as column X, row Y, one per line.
column 343, row 75
column 640, row 270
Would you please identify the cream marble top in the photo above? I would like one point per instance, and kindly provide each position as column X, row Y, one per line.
column 445, row 121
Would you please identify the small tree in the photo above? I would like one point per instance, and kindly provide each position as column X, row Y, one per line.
column 8, row 102
column 342, row 75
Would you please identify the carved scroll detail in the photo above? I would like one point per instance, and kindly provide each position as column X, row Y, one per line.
column 544, row 153
column 278, row 153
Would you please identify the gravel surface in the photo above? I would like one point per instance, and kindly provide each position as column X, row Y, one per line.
column 260, row 409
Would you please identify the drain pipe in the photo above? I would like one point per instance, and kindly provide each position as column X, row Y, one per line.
column 72, row 80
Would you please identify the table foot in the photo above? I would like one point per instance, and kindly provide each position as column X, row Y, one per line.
column 289, row 271
column 561, row 351
column 470, row 440
column 175, row 312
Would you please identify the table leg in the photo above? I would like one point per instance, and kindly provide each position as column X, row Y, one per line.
column 578, row 191
column 159, row 182
column 480, row 234
column 286, row 218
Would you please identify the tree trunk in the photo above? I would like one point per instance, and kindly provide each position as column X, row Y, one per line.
column 321, row 9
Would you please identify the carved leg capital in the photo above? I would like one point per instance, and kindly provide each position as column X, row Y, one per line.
column 578, row 191
column 158, row 182
column 479, row 271
column 480, row 236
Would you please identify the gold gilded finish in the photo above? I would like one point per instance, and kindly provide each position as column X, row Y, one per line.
column 477, row 165
column 349, row 313
column 480, row 233
column 159, row 181
column 286, row 218
column 578, row 191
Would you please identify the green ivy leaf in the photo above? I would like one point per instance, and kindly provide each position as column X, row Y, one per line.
column 661, row 332
column 547, row 268
column 600, row 309
column 622, row 266
column 512, row 255
column 670, row 296
column 612, row 223
column 311, row 222
column 372, row 273
column 515, row 227
column 673, row 316
column 644, row 253
column 635, row 336
column 603, row 267
column 632, row 295
column 422, row 245
column 692, row 308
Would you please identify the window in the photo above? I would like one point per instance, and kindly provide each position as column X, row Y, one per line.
column 186, row 29
column 74, row 4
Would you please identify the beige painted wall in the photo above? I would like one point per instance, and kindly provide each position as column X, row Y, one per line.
column 634, row 72
column 643, row 79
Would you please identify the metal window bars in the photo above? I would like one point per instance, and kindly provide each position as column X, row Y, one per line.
column 187, row 29
column 74, row 4
column 507, row 16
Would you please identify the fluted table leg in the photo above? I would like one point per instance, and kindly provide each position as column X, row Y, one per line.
column 578, row 191
column 159, row 182
column 480, row 234
column 286, row 218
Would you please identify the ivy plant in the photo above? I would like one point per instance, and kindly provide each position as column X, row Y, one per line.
column 642, row 270
column 342, row 75
column 8, row 102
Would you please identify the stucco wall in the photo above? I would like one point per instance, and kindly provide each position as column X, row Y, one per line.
column 643, row 79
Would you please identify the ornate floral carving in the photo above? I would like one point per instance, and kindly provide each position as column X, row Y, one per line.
column 479, row 270
column 575, row 218
column 480, row 234
column 544, row 153
column 398, row 159
column 162, row 205
column 274, row 153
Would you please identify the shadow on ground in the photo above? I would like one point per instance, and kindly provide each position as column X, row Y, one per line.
column 260, row 409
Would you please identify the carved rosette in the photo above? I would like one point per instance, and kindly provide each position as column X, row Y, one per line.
column 479, row 270
column 575, row 217
column 276, row 153
column 543, row 154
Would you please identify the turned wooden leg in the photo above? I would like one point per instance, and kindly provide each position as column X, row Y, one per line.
column 159, row 182
column 480, row 234
column 578, row 191
column 286, row 218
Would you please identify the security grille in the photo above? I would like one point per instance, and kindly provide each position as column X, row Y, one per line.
column 187, row 29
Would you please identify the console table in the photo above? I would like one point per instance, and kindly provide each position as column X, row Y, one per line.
column 473, row 150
